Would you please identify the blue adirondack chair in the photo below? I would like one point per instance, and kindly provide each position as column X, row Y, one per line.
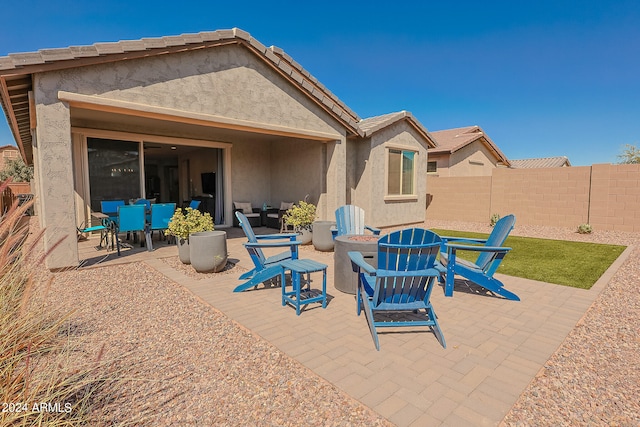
column 265, row 268
column 350, row 220
column 401, row 284
column 491, row 254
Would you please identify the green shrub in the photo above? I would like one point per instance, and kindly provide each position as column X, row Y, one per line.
column 301, row 215
column 494, row 219
column 584, row 229
column 190, row 221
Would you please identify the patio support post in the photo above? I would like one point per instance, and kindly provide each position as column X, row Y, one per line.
column 55, row 175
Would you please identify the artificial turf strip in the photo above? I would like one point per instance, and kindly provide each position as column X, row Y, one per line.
column 576, row 264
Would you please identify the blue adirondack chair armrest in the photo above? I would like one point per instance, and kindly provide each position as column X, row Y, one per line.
column 290, row 236
column 447, row 239
column 272, row 244
column 454, row 247
column 375, row 231
column 357, row 260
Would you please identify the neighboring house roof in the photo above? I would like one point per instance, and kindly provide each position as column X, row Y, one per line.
column 8, row 147
column 543, row 162
column 371, row 125
column 16, row 72
column 452, row 140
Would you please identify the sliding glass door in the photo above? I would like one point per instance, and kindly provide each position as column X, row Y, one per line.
column 114, row 170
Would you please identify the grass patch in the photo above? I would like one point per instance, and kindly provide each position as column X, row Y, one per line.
column 575, row 264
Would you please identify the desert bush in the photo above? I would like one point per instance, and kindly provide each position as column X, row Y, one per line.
column 39, row 382
column 494, row 219
column 584, row 229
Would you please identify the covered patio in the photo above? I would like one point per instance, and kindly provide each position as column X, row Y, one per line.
column 495, row 347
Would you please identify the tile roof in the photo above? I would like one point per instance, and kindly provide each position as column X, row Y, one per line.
column 452, row 140
column 543, row 162
column 16, row 70
column 372, row 125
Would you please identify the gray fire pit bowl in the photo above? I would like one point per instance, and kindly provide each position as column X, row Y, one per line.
column 344, row 278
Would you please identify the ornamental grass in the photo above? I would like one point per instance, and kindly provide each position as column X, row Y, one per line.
column 41, row 382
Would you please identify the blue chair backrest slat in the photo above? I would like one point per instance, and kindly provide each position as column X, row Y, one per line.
column 405, row 250
column 131, row 218
column 257, row 255
column 349, row 220
column 497, row 237
column 161, row 214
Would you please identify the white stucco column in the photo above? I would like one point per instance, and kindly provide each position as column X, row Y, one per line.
column 55, row 176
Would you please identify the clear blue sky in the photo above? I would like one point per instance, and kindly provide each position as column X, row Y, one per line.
column 542, row 78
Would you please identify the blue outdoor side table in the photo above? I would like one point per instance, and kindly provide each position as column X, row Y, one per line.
column 298, row 296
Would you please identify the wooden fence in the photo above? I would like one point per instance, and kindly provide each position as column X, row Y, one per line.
column 10, row 194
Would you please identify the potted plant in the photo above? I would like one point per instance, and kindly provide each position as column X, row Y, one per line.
column 301, row 216
column 184, row 223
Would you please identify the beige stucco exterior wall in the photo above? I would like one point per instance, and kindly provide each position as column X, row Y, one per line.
column 606, row 196
column 371, row 190
column 226, row 81
column 472, row 160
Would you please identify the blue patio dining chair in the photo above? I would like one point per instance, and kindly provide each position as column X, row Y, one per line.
column 265, row 268
column 195, row 204
column 161, row 214
column 131, row 218
column 110, row 208
column 398, row 292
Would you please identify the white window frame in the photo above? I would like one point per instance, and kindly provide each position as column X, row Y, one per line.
column 401, row 197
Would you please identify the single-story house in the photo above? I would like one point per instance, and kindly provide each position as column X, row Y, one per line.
column 214, row 114
column 466, row 151
column 543, row 162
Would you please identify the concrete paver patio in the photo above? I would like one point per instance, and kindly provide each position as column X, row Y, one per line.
column 494, row 348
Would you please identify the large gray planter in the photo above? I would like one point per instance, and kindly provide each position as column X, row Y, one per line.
column 183, row 250
column 322, row 238
column 304, row 236
column 208, row 251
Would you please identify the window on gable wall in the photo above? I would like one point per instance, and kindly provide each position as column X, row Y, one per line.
column 400, row 172
column 432, row 167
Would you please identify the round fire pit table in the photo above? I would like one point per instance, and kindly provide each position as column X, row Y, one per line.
column 344, row 278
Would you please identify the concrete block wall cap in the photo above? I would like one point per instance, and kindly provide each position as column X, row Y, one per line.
column 28, row 58
column 56, row 54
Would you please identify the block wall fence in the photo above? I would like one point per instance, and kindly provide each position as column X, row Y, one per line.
column 603, row 195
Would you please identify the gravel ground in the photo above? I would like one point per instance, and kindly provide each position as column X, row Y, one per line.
column 196, row 367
